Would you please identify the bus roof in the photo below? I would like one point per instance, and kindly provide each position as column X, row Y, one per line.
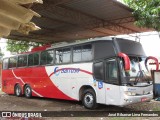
column 65, row 44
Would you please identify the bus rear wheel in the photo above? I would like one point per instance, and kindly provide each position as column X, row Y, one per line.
column 89, row 99
column 28, row 91
column 18, row 90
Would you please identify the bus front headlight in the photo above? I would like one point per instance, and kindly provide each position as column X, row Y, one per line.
column 128, row 93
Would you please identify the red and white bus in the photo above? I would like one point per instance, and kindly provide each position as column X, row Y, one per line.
column 111, row 72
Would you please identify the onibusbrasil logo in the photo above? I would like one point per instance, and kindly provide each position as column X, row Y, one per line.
column 58, row 71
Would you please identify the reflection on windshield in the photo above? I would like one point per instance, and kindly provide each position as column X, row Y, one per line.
column 138, row 72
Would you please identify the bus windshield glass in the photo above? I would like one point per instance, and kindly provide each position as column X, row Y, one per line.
column 138, row 72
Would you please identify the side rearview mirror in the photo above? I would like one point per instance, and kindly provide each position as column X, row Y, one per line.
column 152, row 58
column 126, row 61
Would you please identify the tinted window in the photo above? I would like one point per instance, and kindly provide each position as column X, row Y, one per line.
column 98, row 71
column 12, row 62
column 47, row 57
column 22, row 61
column 5, row 64
column 33, row 59
column 36, row 59
column 50, row 57
column 112, row 71
column 30, row 60
column 44, row 58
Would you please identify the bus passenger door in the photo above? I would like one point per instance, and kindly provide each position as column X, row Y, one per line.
column 98, row 68
column 112, row 81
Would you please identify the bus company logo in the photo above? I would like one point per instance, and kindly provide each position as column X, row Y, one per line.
column 58, row 71
column 6, row 114
column 131, row 89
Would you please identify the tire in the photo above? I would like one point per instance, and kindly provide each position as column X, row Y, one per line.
column 18, row 90
column 89, row 99
column 28, row 91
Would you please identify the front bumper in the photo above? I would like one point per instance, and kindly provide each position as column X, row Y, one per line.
column 127, row 100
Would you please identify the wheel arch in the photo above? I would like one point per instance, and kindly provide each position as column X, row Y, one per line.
column 16, row 85
column 83, row 88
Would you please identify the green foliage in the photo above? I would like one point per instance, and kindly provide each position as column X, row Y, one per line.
column 21, row 46
column 146, row 12
column 1, row 55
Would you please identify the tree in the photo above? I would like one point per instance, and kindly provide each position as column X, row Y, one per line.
column 1, row 55
column 146, row 12
column 21, row 46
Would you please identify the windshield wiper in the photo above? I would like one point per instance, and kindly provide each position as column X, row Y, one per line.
column 138, row 77
column 141, row 76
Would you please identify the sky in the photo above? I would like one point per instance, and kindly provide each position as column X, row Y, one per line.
column 151, row 45
column 3, row 45
column 149, row 40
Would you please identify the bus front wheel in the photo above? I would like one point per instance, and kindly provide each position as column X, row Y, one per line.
column 28, row 91
column 89, row 99
column 17, row 90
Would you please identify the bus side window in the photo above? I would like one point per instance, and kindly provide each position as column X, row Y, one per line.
column 87, row 52
column 59, row 56
column 98, row 70
column 43, row 58
column 47, row 57
column 82, row 53
column 36, row 59
column 30, row 60
column 77, row 54
column 112, row 71
column 50, row 57
column 12, row 62
column 5, row 64
column 33, row 59
column 22, row 61
column 66, row 55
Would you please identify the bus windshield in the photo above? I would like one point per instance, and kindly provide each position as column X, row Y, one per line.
column 138, row 72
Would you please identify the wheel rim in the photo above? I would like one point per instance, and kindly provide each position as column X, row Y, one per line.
column 88, row 100
column 18, row 91
column 28, row 91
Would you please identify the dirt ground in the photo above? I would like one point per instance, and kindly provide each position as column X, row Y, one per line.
column 13, row 103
